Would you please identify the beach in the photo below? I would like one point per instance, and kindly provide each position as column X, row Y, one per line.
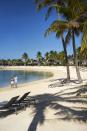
column 58, row 106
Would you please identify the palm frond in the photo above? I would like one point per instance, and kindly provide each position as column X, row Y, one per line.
column 58, row 33
column 49, row 11
column 57, row 27
column 47, row 32
column 77, row 32
column 51, row 8
column 84, row 37
column 43, row 3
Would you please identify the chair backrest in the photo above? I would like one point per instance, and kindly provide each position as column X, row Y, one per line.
column 11, row 101
column 23, row 97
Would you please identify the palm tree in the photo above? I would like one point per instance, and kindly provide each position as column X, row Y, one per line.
column 53, row 5
column 75, row 8
column 25, row 58
column 39, row 57
column 59, row 28
column 75, row 13
column 47, row 56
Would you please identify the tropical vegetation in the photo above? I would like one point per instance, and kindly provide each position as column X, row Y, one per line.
column 51, row 58
column 72, row 21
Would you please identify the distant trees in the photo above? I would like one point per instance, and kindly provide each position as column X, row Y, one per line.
column 17, row 62
column 54, row 58
column 51, row 58
column 82, row 56
column 9, row 62
column 61, row 57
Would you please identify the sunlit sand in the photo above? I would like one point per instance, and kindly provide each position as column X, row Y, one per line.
column 58, row 108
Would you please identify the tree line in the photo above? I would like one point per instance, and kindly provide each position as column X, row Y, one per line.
column 52, row 58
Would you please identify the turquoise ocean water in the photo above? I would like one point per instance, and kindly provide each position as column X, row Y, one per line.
column 23, row 76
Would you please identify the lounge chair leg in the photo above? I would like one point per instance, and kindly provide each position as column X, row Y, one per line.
column 24, row 107
column 34, row 101
column 28, row 104
column 16, row 111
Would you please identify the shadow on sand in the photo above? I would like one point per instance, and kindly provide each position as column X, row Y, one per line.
column 62, row 112
column 75, row 111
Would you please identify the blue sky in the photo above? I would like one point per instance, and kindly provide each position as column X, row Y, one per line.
column 22, row 30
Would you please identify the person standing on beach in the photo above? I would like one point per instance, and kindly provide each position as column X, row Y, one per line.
column 15, row 80
column 12, row 82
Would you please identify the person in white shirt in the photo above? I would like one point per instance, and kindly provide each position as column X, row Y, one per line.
column 12, row 82
column 15, row 80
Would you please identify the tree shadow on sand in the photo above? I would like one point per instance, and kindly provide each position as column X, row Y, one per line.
column 62, row 112
column 62, row 82
column 66, row 106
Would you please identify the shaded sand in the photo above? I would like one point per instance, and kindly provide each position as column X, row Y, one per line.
column 59, row 106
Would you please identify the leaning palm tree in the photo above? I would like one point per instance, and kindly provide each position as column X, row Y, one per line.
column 75, row 8
column 76, row 12
column 64, row 25
column 55, row 27
column 59, row 33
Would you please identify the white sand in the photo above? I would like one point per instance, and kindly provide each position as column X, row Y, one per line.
column 57, row 113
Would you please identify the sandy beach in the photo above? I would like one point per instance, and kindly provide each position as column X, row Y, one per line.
column 58, row 107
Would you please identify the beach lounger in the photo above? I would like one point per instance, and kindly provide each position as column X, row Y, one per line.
column 31, row 100
column 10, row 104
column 22, row 101
column 15, row 103
column 26, row 100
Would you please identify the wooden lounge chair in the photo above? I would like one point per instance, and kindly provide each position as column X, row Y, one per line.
column 10, row 104
column 22, row 101
column 15, row 103
column 26, row 100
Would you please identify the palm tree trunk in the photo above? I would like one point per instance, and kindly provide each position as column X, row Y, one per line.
column 66, row 58
column 75, row 57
